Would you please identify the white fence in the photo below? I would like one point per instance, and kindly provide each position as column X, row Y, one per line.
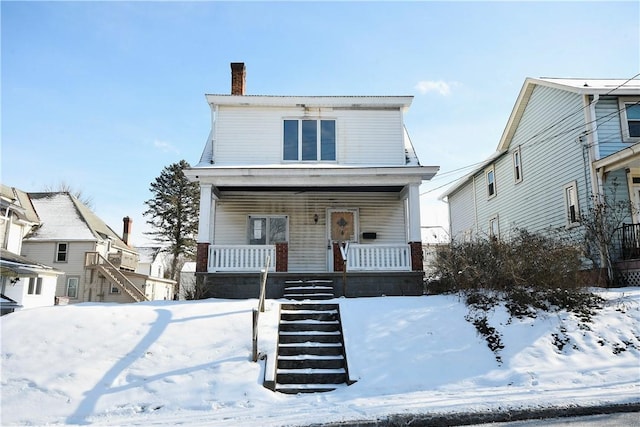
column 241, row 258
column 378, row 258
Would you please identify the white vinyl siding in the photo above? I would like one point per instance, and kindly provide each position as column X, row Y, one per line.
column 461, row 211
column 381, row 213
column 254, row 135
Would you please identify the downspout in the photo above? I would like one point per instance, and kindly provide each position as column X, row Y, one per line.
column 475, row 205
column 593, row 151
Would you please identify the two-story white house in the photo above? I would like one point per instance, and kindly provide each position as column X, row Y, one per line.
column 24, row 283
column 296, row 178
column 566, row 143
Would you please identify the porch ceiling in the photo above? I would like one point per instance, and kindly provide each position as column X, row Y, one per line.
column 299, row 189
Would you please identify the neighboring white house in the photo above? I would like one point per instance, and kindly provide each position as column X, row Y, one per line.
column 296, row 178
column 98, row 264
column 187, row 278
column 566, row 142
column 24, row 283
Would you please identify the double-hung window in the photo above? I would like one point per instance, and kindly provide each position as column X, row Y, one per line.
column 571, row 204
column 517, row 165
column 268, row 229
column 494, row 227
column 490, row 176
column 309, row 140
column 630, row 118
column 62, row 252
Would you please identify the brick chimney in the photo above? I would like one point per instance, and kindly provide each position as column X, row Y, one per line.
column 238, row 78
column 126, row 229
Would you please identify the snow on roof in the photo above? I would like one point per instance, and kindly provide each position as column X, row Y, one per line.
column 616, row 86
column 63, row 217
column 189, row 267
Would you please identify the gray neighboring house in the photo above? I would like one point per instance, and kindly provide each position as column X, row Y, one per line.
column 566, row 141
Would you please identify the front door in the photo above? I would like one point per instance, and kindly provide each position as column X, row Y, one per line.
column 341, row 227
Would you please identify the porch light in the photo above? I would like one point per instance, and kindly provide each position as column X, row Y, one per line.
column 315, row 218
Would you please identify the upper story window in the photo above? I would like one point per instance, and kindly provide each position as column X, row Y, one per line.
column 517, row 165
column 268, row 229
column 62, row 252
column 309, row 140
column 490, row 176
column 630, row 117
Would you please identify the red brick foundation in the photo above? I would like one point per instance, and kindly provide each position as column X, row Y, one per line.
column 202, row 257
column 282, row 257
column 417, row 260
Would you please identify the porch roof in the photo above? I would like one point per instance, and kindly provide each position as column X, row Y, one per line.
column 627, row 158
column 290, row 178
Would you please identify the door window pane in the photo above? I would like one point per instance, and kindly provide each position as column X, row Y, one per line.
column 277, row 230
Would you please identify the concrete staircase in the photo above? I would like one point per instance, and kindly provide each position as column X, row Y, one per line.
column 309, row 290
column 311, row 356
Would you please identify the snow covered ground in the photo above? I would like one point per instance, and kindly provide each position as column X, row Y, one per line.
column 168, row 362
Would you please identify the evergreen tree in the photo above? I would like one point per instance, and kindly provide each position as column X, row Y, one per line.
column 173, row 213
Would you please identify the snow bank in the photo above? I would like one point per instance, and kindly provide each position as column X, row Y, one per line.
column 177, row 362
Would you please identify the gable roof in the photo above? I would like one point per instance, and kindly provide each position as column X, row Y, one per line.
column 18, row 201
column 581, row 87
column 64, row 217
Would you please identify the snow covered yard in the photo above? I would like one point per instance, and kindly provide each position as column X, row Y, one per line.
column 168, row 362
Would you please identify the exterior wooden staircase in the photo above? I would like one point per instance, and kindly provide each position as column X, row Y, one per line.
column 114, row 275
column 311, row 354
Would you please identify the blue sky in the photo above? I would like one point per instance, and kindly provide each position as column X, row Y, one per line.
column 103, row 95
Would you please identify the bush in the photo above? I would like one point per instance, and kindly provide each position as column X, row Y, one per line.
column 530, row 272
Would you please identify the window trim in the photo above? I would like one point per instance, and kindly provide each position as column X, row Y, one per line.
column 567, row 206
column 517, row 165
column 490, row 170
column 66, row 292
column 624, row 121
column 59, row 252
column 319, row 144
column 113, row 289
column 267, row 217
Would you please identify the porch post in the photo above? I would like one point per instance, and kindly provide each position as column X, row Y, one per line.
column 206, row 226
column 413, row 228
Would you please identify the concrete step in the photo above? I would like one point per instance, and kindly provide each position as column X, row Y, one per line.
column 309, row 307
column 314, row 362
column 309, row 315
column 310, row 337
column 297, row 349
column 311, row 376
column 310, row 325
column 306, row 388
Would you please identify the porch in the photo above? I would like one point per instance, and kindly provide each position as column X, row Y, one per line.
column 233, row 271
column 629, row 264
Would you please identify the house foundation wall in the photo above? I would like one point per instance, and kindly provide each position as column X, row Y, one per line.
column 357, row 284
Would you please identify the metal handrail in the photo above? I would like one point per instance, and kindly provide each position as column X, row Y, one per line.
column 256, row 313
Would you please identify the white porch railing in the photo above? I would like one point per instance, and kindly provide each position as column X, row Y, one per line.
column 241, row 258
column 379, row 257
